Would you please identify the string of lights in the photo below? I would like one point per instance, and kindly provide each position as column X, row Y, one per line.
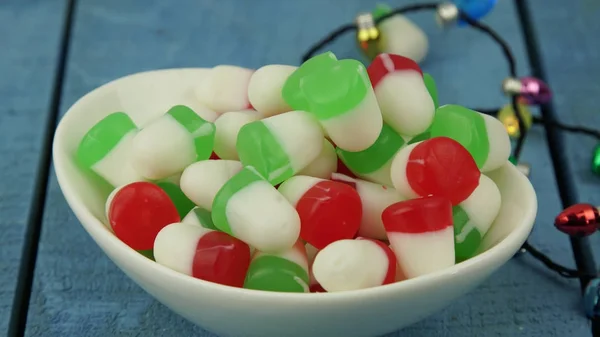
column 578, row 220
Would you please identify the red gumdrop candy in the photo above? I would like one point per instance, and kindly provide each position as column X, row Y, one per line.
column 221, row 258
column 329, row 211
column 442, row 167
column 416, row 216
column 139, row 211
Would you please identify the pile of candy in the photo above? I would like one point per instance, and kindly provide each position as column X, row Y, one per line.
column 325, row 177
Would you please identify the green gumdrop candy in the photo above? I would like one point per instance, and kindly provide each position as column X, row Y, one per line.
column 335, row 88
column 102, row 138
column 431, row 88
column 465, row 244
column 182, row 203
column 272, row 273
column 374, row 157
column 291, row 89
column 465, row 126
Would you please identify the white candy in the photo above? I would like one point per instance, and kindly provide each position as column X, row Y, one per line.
column 225, row 88
column 325, row 163
column 228, row 126
column 201, row 181
column 499, row 144
column 402, row 37
column 264, row 89
column 350, row 265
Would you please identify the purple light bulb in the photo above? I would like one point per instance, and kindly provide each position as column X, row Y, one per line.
column 535, row 91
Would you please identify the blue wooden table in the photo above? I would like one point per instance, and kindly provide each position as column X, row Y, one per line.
column 77, row 291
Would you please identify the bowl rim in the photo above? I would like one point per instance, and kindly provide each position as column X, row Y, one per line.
column 99, row 232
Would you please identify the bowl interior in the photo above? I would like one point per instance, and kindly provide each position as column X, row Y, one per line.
column 145, row 96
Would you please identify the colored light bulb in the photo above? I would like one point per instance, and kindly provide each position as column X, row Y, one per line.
column 578, row 220
column 533, row 91
column 591, row 299
column 509, row 119
column 475, row 9
column 596, row 160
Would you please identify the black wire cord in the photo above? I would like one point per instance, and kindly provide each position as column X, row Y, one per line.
column 512, row 69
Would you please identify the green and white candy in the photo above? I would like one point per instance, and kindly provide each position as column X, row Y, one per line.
column 280, row 146
column 201, row 181
column 473, row 217
column 228, row 127
column 249, row 208
column 170, row 143
column 106, row 150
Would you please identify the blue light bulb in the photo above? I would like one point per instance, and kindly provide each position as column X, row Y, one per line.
column 476, row 9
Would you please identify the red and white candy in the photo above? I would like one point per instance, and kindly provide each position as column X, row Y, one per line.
column 328, row 210
column 203, row 253
column 405, row 102
column 421, row 234
column 438, row 166
column 354, row 264
column 374, row 198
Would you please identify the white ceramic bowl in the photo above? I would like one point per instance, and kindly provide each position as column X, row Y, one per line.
column 237, row 312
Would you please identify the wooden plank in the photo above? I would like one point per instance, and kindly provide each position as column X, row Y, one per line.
column 78, row 291
column 571, row 57
column 30, row 39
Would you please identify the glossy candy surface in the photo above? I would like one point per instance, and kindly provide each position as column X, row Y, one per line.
column 106, row 150
column 405, row 102
column 340, row 95
column 280, row 146
column 328, row 210
column 251, row 209
column 483, row 136
column 286, row 271
column 578, row 220
column 354, row 264
column 438, row 166
column 180, row 128
column 414, row 228
column 374, row 163
column 138, row 211
column 202, row 253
